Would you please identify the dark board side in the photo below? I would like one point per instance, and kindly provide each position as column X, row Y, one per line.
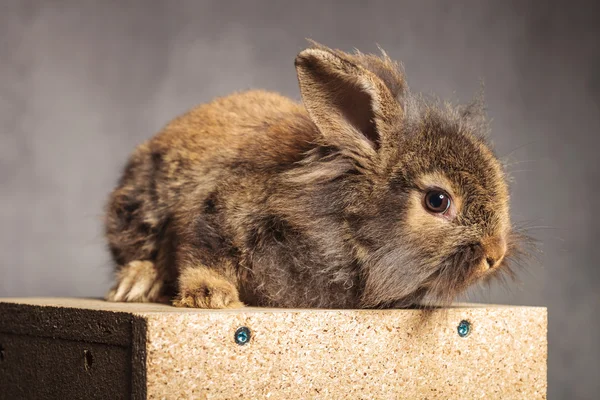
column 107, row 327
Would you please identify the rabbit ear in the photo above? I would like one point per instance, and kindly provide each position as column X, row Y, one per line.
column 349, row 104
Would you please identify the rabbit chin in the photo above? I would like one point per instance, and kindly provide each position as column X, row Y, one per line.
column 403, row 279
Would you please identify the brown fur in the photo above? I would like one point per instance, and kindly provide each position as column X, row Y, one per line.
column 258, row 199
column 203, row 287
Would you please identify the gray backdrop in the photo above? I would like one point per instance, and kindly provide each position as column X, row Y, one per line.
column 81, row 83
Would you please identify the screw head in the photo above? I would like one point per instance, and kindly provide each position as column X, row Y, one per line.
column 464, row 328
column 242, row 335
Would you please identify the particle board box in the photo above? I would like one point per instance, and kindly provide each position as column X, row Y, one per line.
column 84, row 348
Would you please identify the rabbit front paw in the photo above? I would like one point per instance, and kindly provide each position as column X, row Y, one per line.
column 204, row 288
column 139, row 282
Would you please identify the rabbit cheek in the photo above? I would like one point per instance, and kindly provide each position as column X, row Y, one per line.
column 450, row 269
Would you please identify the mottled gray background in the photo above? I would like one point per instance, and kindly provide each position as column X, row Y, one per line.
column 82, row 82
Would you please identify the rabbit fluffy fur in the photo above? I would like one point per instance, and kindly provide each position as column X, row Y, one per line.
column 254, row 199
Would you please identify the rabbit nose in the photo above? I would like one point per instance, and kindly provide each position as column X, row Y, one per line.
column 495, row 249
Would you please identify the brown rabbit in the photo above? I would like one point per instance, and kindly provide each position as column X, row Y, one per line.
column 364, row 196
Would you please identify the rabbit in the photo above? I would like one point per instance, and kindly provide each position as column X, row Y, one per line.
column 364, row 196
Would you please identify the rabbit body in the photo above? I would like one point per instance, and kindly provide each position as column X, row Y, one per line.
column 256, row 199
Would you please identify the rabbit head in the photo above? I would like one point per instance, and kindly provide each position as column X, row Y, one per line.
column 429, row 214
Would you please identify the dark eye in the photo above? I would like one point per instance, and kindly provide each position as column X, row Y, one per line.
column 437, row 201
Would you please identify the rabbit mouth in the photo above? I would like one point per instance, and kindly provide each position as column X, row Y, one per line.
column 468, row 266
column 453, row 276
column 401, row 279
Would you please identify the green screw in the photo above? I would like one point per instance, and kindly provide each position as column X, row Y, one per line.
column 242, row 335
column 464, row 328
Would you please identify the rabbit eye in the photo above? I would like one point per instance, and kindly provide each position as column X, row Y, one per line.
column 437, row 201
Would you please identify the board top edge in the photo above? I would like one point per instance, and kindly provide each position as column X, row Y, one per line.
column 153, row 309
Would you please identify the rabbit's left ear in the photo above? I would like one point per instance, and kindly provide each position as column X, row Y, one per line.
column 350, row 105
